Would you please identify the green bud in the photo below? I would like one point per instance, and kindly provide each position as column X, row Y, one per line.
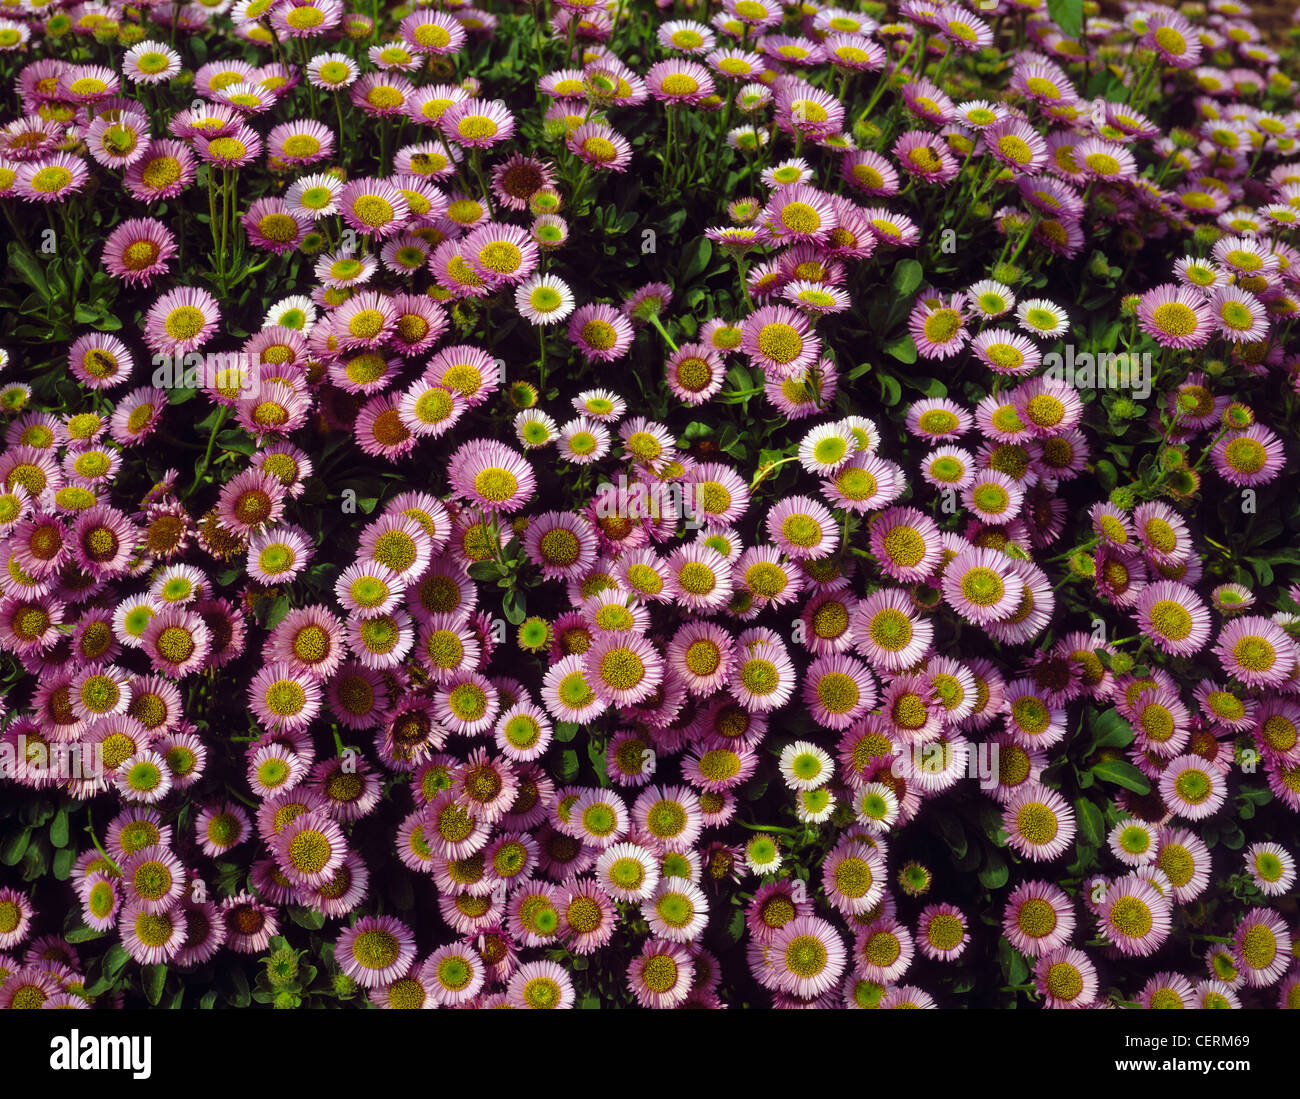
column 1083, row 564
column 1123, row 498
column 1121, row 663
column 1125, row 408
column 523, row 395
column 1183, row 483
column 915, row 879
column 282, row 966
column 534, row 634
column 555, row 128
column 867, row 133
column 1008, row 273
column 1238, row 416
column 1206, row 235
column 867, row 994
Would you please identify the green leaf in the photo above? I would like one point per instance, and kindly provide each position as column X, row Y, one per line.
column 14, row 850
column 61, row 867
column 279, row 609
column 902, row 349
column 243, row 997
column 153, row 977
column 1122, row 774
column 1113, row 731
column 59, row 829
column 891, row 391
column 907, row 277
column 697, row 258
column 1067, row 15
column 995, row 872
column 1019, row 969
column 515, row 607
column 953, row 834
column 1091, row 823
column 736, row 927
column 568, row 765
column 596, row 754
column 238, row 442
column 115, row 959
column 84, row 934
column 29, row 269
column 310, row 918
column 565, row 731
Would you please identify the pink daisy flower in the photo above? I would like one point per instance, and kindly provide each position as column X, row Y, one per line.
column 837, row 689
column 1191, row 788
column 51, row 179
column 600, row 332
column 282, row 698
column 599, row 145
column 779, row 338
column 1039, row 823
column 1256, row 650
column 938, row 328
column 375, row 951
column 491, row 476
column 1176, row 316
column 802, row 528
column 1134, row 916
column 925, row 156
column 181, row 320
column 272, row 225
column 906, row 544
column 1066, row 978
column 1173, row 617
column 1251, row 457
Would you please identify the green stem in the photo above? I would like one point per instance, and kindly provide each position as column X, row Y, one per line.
column 1025, row 239
column 90, row 827
column 743, row 264
column 541, row 367
column 767, row 828
column 766, row 471
column 212, row 221
column 222, row 413
column 654, row 319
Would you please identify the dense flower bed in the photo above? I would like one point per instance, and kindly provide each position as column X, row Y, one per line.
column 572, row 504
